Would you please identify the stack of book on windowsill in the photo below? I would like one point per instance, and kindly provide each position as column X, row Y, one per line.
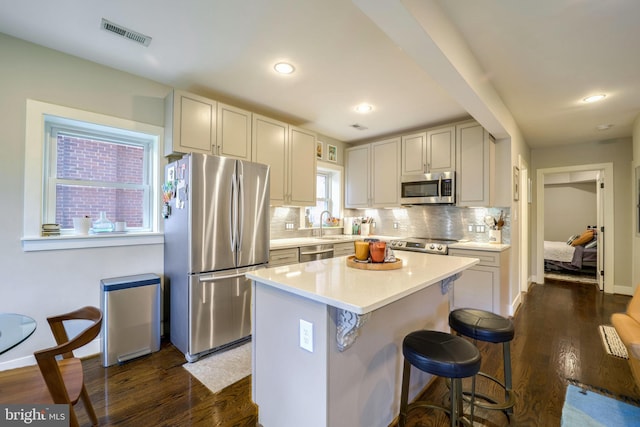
column 50, row 230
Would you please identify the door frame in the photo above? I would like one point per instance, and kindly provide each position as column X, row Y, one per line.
column 525, row 199
column 606, row 171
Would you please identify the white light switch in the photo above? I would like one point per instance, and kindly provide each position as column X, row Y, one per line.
column 306, row 335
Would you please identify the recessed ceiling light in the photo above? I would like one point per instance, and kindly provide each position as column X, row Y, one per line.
column 604, row 126
column 364, row 108
column 594, row 98
column 284, row 68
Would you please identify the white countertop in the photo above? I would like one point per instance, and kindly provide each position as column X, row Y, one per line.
column 331, row 282
column 480, row 246
column 327, row 240
column 337, row 238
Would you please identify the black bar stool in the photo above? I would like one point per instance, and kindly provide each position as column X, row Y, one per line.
column 482, row 325
column 444, row 355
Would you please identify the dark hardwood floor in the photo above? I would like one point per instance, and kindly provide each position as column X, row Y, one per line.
column 556, row 339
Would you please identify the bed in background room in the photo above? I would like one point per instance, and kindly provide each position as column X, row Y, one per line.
column 576, row 255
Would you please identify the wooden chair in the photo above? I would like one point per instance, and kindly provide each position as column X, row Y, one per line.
column 55, row 381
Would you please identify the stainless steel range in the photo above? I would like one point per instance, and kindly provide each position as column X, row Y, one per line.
column 423, row 244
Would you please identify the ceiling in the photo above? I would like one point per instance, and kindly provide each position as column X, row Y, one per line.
column 538, row 58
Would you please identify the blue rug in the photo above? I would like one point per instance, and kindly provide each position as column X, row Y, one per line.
column 586, row 408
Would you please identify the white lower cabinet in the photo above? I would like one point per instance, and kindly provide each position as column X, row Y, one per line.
column 278, row 257
column 485, row 285
column 343, row 249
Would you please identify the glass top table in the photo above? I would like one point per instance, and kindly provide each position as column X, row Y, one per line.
column 14, row 328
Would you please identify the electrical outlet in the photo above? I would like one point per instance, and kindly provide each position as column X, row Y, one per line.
column 470, row 228
column 288, row 226
column 480, row 228
column 395, row 225
column 306, row 335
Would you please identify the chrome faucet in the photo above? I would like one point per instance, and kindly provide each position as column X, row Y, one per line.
column 322, row 222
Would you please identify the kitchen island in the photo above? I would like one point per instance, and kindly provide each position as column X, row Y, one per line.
column 327, row 338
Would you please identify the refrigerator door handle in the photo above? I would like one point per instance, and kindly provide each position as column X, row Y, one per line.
column 236, row 273
column 240, row 224
column 212, row 278
column 233, row 223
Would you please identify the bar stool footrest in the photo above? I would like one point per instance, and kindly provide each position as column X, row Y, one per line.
column 493, row 404
column 430, row 405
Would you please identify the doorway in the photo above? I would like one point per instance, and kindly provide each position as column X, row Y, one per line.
column 605, row 219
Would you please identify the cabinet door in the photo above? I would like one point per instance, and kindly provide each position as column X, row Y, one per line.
column 278, row 257
column 441, row 149
column 414, row 153
column 357, row 166
column 385, row 173
column 474, row 177
column 270, row 145
column 234, row 132
column 190, row 124
column 343, row 249
column 302, row 167
column 476, row 288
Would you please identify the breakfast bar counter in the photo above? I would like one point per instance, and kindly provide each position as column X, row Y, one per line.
column 327, row 338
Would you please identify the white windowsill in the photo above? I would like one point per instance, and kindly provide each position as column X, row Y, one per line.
column 72, row 241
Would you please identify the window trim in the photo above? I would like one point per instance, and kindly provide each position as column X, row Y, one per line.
column 35, row 156
column 54, row 126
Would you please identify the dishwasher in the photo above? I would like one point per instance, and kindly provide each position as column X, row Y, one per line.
column 314, row 252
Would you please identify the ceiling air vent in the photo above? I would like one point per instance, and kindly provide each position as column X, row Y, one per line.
column 125, row 32
column 359, row 127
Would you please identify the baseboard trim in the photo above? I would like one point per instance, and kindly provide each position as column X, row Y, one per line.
column 88, row 350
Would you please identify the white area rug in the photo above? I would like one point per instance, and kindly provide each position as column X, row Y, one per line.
column 222, row 369
column 571, row 278
column 612, row 343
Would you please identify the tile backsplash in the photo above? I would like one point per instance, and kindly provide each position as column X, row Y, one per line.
column 448, row 222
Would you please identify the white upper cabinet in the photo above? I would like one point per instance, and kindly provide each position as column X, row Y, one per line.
column 233, row 132
column 302, row 167
column 414, row 153
column 441, row 149
column 291, row 153
column 270, row 140
column 357, row 167
column 190, row 124
column 373, row 175
column 385, row 173
column 430, row 151
column 475, row 179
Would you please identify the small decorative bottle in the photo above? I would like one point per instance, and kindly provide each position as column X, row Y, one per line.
column 102, row 224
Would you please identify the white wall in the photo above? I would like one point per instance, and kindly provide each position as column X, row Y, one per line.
column 569, row 209
column 40, row 284
column 635, row 190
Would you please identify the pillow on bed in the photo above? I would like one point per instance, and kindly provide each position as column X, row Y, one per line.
column 572, row 238
column 585, row 237
column 591, row 244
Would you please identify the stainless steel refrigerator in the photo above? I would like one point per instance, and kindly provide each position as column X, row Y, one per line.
column 216, row 229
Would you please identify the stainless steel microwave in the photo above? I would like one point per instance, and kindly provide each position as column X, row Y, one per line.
column 428, row 188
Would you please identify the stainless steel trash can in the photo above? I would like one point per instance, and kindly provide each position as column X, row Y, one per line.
column 131, row 317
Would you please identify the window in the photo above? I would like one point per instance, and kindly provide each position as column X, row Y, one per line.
column 328, row 194
column 83, row 163
column 90, row 169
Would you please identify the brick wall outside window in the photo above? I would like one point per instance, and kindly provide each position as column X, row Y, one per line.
column 98, row 161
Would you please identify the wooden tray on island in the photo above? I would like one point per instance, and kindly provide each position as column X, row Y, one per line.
column 351, row 262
